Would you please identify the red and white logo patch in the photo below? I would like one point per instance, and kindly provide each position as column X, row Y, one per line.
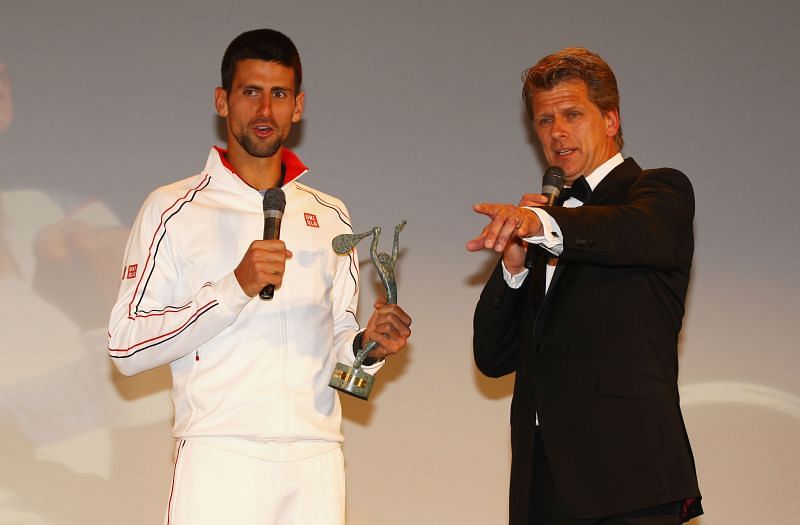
column 311, row 220
column 131, row 271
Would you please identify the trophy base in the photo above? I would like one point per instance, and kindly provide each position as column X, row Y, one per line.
column 353, row 381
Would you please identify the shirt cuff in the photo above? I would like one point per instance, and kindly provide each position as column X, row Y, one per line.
column 552, row 240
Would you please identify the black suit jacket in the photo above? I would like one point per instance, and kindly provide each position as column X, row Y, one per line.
column 596, row 357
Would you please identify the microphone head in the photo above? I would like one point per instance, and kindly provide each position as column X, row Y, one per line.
column 274, row 200
column 553, row 182
column 554, row 176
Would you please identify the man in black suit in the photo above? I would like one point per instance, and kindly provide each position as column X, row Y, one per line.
column 591, row 330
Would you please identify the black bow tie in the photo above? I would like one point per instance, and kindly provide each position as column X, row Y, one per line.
column 579, row 190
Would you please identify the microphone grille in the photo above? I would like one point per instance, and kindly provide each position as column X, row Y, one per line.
column 554, row 177
column 274, row 200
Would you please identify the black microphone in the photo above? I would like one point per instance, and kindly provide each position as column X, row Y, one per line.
column 552, row 184
column 274, row 204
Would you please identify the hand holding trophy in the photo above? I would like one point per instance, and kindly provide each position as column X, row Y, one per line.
column 352, row 379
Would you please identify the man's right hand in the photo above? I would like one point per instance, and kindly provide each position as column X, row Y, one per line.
column 262, row 264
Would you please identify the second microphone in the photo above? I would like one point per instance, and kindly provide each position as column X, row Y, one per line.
column 274, row 204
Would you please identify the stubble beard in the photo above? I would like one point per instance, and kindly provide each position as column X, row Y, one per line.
column 260, row 150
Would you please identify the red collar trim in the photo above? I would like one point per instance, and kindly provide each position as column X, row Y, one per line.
column 294, row 166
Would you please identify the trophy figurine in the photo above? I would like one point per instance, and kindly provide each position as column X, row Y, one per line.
column 352, row 379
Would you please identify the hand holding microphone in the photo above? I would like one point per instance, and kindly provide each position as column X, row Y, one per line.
column 262, row 267
column 553, row 182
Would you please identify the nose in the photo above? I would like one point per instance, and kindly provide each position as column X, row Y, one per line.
column 558, row 130
column 265, row 106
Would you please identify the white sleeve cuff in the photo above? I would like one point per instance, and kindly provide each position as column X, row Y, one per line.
column 373, row 368
column 552, row 239
column 230, row 294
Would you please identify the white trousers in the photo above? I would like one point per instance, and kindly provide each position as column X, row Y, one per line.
column 213, row 486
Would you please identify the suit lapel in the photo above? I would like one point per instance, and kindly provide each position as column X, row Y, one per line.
column 604, row 193
column 622, row 175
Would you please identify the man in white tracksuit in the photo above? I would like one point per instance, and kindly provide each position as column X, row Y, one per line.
column 258, row 427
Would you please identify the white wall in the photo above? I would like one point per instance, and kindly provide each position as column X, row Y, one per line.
column 413, row 110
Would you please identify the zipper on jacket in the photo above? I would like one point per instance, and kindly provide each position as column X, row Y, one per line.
column 284, row 373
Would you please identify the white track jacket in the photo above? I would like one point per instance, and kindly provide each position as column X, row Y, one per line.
column 241, row 367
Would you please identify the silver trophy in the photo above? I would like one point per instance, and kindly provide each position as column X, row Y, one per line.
column 352, row 379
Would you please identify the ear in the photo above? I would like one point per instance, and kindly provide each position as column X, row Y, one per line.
column 221, row 102
column 298, row 106
column 612, row 123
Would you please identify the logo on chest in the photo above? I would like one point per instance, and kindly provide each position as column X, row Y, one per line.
column 311, row 220
column 130, row 271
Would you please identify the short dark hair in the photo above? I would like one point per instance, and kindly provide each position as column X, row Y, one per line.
column 575, row 64
column 261, row 44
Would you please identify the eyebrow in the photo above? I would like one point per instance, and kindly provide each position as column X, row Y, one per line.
column 563, row 110
column 261, row 87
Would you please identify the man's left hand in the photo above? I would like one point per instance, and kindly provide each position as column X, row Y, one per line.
column 389, row 326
